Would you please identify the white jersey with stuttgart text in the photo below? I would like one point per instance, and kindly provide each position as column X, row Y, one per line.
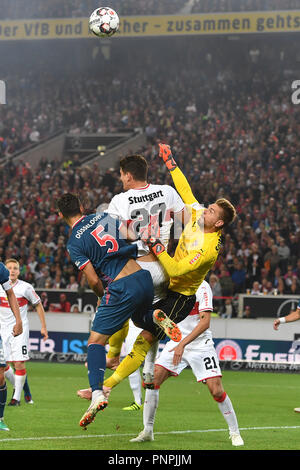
column 147, row 204
column 204, row 303
column 25, row 294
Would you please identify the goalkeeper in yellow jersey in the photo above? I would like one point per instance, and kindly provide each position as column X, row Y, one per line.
column 195, row 255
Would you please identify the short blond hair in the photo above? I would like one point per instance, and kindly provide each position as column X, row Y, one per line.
column 228, row 211
column 12, row 260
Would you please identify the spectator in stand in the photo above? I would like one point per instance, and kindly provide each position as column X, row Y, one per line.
column 293, row 244
column 45, row 301
column 206, row 6
column 228, row 310
column 266, row 287
column 255, row 264
column 288, row 277
column 63, row 306
column 294, row 288
column 256, row 288
column 73, row 284
column 64, row 303
column 42, row 277
column 248, row 313
column 281, row 288
column 276, row 278
column 284, row 254
column 296, row 270
column 58, row 282
column 216, row 291
column 272, row 259
column 226, row 284
column 238, row 276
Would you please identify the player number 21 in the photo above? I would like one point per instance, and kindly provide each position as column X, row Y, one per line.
column 105, row 239
column 209, row 363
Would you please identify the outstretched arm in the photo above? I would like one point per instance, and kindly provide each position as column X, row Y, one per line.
column 293, row 316
column 41, row 313
column 174, row 268
column 180, row 181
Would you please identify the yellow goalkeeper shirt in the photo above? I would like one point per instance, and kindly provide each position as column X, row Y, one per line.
column 196, row 252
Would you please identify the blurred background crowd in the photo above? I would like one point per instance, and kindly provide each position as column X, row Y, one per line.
column 14, row 9
column 224, row 107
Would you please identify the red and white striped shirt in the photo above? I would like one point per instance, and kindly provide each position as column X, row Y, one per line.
column 25, row 294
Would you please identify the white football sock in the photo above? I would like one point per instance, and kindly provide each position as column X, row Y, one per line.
column 20, row 377
column 228, row 412
column 136, row 386
column 150, row 359
column 150, row 407
column 95, row 394
column 10, row 376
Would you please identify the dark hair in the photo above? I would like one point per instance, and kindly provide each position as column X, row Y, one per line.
column 136, row 165
column 69, row 205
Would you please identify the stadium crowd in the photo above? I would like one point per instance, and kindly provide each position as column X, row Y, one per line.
column 209, row 6
column 233, row 130
column 14, row 9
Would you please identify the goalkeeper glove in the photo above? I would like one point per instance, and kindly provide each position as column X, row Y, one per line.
column 166, row 154
column 155, row 246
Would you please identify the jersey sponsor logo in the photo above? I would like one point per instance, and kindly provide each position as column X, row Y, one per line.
column 92, row 222
column 21, row 301
column 145, row 197
column 192, row 261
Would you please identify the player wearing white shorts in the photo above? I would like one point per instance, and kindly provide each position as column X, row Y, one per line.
column 196, row 350
column 16, row 347
column 16, row 330
column 140, row 205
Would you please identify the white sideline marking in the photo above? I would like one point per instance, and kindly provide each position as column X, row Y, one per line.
column 92, row 436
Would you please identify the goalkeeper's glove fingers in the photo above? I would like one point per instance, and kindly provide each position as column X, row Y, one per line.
column 155, row 246
column 166, row 154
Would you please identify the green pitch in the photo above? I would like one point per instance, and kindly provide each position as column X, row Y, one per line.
column 187, row 417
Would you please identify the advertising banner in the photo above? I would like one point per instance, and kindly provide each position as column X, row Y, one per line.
column 80, row 301
column 164, row 25
column 271, row 306
column 258, row 350
column 227, row 349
